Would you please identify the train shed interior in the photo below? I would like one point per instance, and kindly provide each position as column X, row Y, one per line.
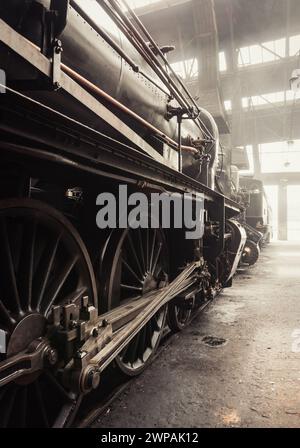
column 246, row 86
column 237, row 365
column 149, row 214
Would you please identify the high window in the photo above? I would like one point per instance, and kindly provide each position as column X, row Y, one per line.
column 186, row 69
column 262, row 53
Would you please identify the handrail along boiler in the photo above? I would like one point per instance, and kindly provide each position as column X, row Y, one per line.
column 91, row 103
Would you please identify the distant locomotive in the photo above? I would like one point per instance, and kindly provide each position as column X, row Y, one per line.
column 91, row 103
column 259, row 212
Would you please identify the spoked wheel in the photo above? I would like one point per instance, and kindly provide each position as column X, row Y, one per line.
column 138, row 353
column 135, row 262
column 179, row 316
column 43, row 264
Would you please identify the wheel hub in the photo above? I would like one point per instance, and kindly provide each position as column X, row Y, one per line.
column 26, row 331
column 30, row 328
column 149, row 284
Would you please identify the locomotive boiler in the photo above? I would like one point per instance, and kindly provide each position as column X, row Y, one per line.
column 89, row 104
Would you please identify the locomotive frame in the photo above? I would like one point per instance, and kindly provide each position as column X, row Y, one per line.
column 81, row 338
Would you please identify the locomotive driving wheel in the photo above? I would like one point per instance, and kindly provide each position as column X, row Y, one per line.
column 135, row 262
column 43, row 264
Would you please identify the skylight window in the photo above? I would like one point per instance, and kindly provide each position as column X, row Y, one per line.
column 228, row 105
column 222, row 62
column 186, row 69
column 279, row 157
column 135, row 4
column 262, row 53
column 270, row 98
column 294, row 45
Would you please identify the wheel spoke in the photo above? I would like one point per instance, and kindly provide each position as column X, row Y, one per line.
column 154, row 325
column 131, row 271
column 142, row 249
column 141, row 346
column 131, row 288
column 3, row 390
column 58, row 386
column 156, row 259
column 23, row 407
column 149, row 335
column 8, row 266
column 25, row 272
column 74, row 296
column 58, row 283
column 9, row 408
column 132, row 354
column 6, row 315
column 152, row 250
column 63, row 419
column 147, row 250
column 44, row 271
column 41, row 404
column 135, row 254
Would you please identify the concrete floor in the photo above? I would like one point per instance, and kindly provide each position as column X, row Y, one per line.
column 253, row 380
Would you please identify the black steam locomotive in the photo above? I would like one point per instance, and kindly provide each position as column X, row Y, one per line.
column 90, row 103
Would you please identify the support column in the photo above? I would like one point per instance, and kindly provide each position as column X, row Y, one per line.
column 256, row 159
column 282, row 212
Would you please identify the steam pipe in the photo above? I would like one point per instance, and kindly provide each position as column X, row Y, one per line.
column 213, row 151
column 154, row 44
column 143, row 50
column 92, row 87
column 113, row 44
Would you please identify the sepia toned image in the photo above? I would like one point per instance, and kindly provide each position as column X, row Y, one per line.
column 149, row 217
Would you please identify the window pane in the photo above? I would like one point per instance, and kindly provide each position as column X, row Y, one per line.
column 222, row 62
column 272, row 196
column 186, row 69
column 267, row 99
column 280, row 47
column 293, row 192
column 255, row 54
column 294, row 45
column 228, row 105
column 139, row 3
column 244, row 56
column 292, row 96
column 266, row 52
column 280, row 157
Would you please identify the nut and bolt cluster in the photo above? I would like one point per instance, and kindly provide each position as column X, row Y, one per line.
column 52, row 356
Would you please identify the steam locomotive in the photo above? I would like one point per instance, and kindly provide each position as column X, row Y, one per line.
column 90, row 103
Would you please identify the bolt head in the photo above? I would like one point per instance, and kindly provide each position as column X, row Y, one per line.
column 92, row 379
column 95, row 333
column 52, row 356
